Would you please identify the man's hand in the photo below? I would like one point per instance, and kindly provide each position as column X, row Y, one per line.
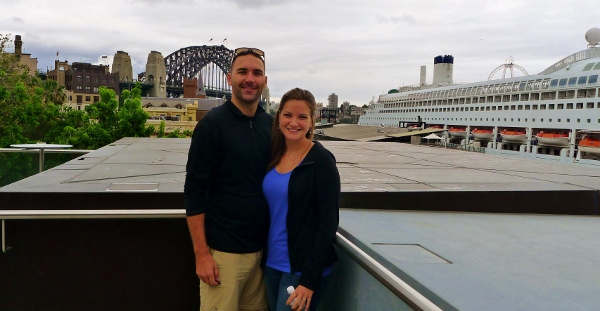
column 206, row 269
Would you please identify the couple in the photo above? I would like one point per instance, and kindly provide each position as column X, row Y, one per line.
column 257, row 186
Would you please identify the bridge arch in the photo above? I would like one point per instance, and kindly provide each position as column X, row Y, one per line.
column 212, row 62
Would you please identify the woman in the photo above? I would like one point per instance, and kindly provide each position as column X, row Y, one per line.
column 302, row 187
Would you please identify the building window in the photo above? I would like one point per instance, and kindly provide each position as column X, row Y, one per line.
column 79, row 99
column 96, row 99
column 78, row 78
column 87, row 98
column 87, row 79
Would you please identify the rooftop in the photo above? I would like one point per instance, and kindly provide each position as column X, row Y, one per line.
column 470, row 231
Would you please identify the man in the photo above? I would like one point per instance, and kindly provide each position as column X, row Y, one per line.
column 227, row 214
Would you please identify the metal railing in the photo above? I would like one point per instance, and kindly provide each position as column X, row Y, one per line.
column 404, row 291
column 41, row 152
column 400, row 288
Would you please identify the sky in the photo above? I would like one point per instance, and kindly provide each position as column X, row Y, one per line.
column 357, row 49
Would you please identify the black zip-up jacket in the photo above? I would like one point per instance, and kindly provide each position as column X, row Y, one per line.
column 226, row 164
column 313, row 215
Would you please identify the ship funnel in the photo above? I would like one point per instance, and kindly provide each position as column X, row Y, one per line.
column 443, row 68
column 423, row 75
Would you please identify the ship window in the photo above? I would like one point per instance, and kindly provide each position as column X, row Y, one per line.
column 593, row 79
column 545, row 84
column 597, row 66
column 551, row 106
column 504, row 119
column 534, row 107
column 588, row 67
column 522, row 86
column 511, row 119
column 578, row 120
column 527, row 107
column 582, row 80
column 562, row 82
column 589, row 120
column 549, row 120
column 572, row 81
column 553, row 83
column 533, row 120
column 506, row 107
column 560, row 106
column 558, row 120
column 493, row 108
column 579, row 106
column 569, row 105
column 589, row 105
column 568, row 120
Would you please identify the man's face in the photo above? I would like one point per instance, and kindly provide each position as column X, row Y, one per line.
column 247, row 79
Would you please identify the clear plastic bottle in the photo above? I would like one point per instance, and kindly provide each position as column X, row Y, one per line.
column 290, row 290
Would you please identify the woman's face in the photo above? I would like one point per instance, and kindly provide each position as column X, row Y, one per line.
column 295, row 120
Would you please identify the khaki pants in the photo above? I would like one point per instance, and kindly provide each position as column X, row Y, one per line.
column 242, row 286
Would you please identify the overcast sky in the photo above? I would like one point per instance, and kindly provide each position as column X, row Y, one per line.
column 357, row 49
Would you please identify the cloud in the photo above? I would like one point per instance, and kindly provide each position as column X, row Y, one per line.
column 255, row 4
column 401, row 19
column 18, row 20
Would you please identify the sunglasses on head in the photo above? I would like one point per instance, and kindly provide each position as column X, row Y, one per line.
column 249, row 50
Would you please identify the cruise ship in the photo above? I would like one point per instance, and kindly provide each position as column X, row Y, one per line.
column 555, row 112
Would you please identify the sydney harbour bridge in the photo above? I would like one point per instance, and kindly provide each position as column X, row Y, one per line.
column 209, row 64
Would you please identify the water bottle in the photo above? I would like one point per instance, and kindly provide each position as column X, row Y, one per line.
column 290, row 290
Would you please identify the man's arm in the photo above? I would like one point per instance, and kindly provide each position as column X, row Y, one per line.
column 206, row 267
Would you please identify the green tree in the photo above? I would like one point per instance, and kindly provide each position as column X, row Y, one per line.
column 161, row 130
column 132, row 117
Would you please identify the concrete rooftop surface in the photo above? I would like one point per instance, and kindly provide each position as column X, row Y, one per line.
column 471, row 231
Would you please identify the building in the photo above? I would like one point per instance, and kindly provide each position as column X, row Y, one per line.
column 356, row 111
column 122, row 66
column 333, row 101
column 82, row 82
column 178, row 113
column 345, row 110
column 25, row 59
column 156, row 73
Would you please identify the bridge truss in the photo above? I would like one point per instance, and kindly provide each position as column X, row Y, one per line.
column 212, row 62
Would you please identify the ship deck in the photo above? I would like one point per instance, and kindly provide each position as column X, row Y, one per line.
column 470, row 231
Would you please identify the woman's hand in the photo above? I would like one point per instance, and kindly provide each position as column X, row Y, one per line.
column 302, row 296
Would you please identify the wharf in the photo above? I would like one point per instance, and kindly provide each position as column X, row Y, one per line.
column 470, row 231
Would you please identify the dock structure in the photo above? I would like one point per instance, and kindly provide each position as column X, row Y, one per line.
column 421, row 228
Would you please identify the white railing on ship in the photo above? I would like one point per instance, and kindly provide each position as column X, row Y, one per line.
column 585, row 54
column 385, row 276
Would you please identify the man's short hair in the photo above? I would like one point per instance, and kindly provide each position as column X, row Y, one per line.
column 247, row 51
